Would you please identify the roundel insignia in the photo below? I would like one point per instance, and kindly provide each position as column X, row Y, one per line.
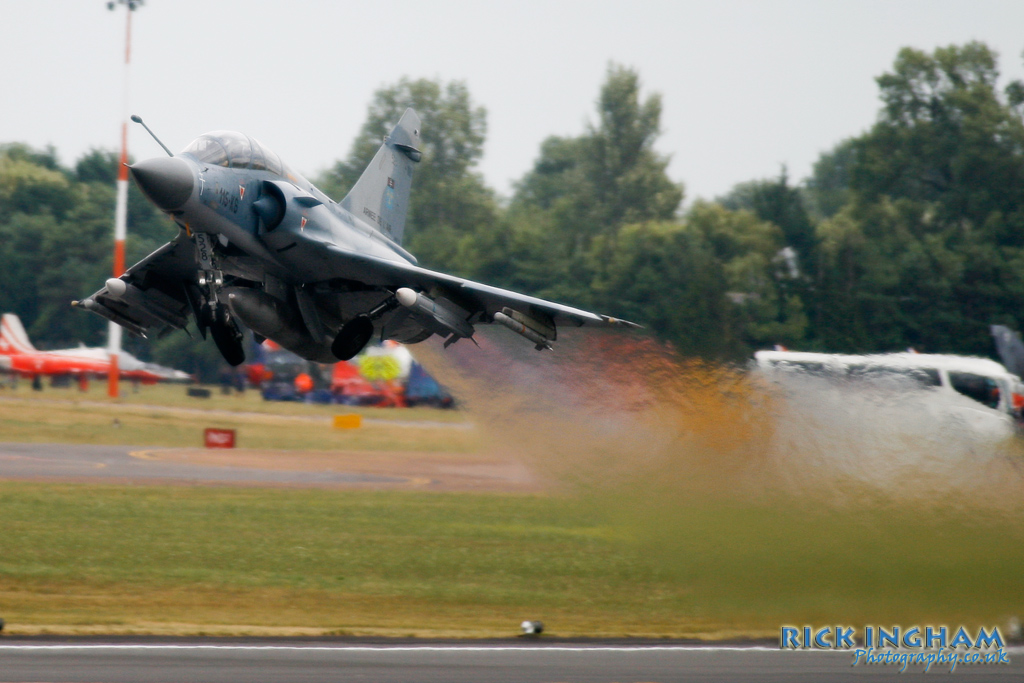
column 241, row 191
column 302, row 223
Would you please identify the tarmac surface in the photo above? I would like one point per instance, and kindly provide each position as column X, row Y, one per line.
column 256, row 467
column 115, row 464
column 145, row 660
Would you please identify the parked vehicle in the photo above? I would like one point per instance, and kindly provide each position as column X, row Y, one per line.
column 977, row 392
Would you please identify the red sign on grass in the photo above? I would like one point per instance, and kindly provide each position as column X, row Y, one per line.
column 219, row 438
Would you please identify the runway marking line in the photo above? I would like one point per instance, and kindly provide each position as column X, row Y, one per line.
column 143, row 455
column 405, row 648
column 1014, row 650
column 155, row 455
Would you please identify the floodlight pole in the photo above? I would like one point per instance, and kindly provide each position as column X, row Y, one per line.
column 121, row 207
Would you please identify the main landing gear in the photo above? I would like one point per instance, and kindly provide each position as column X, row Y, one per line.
column 226, row 335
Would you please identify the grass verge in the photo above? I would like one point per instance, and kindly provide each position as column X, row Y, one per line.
column 175, row 396
column 165, row 418
column 211, row 560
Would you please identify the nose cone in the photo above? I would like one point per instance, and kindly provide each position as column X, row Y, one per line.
column 167, row 181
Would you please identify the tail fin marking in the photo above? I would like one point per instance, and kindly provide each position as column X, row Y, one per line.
column 381, row 195
column 13, row 338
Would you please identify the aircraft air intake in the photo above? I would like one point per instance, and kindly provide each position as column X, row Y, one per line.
column 280, row 200
column 270, row 207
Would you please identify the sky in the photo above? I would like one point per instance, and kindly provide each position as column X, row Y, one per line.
column 746, row 86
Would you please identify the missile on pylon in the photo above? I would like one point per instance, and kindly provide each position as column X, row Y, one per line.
column 116, row 287
column 517, row 322
column 444, row 317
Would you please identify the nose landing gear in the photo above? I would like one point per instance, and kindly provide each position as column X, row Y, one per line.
column 215, row 314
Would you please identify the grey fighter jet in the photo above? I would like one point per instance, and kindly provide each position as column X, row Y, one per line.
column 259, row 246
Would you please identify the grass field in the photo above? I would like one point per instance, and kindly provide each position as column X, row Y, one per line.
column 163, row 415
column 343, row 562
column 220, row 560
column 658, row 536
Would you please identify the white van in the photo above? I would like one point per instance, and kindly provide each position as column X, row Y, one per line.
column 995, row 395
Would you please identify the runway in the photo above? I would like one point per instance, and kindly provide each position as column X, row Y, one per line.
column 127, row 464
column 410, row 470
column 142, row 660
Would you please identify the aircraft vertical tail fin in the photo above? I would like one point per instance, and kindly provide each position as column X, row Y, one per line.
column 1009, row 347
column 381, row 195
column 13, row 338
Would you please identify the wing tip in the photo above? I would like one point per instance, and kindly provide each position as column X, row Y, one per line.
column 609, row 320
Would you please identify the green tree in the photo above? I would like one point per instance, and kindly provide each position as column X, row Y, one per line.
column 828, row 189
column 666, row 275
column 779, row 203
column 608, row 177
column 77, row 256
column 562, row 227
column 97, row 166
column 35, row 196
column 927, row 250
column 56, row 240
column 893, row 278
column 32, row 183
column 628, row 176
column 757, row 274
column 947, row 135
column 21, row 260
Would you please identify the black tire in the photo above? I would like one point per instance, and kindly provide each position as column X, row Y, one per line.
column 228, row 338
column 354, row 335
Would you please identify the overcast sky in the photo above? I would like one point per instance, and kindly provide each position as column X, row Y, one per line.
column 747, row 85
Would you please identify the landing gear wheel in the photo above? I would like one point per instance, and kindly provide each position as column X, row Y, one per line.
column 227, row 337
column 353, row 337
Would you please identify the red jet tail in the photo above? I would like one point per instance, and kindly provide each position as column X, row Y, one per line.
column 13, row 338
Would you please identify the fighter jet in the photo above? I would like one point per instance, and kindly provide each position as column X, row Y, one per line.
column 20, row 356
column 259, row 246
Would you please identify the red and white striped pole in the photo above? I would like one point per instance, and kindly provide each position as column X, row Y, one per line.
column 121, row 208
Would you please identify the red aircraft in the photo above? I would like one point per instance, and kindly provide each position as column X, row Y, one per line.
column 18, row 355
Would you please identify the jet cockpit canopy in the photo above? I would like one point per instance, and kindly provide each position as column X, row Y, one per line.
column 234, row 150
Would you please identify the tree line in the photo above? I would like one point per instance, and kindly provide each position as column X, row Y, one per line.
column 910, row 234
